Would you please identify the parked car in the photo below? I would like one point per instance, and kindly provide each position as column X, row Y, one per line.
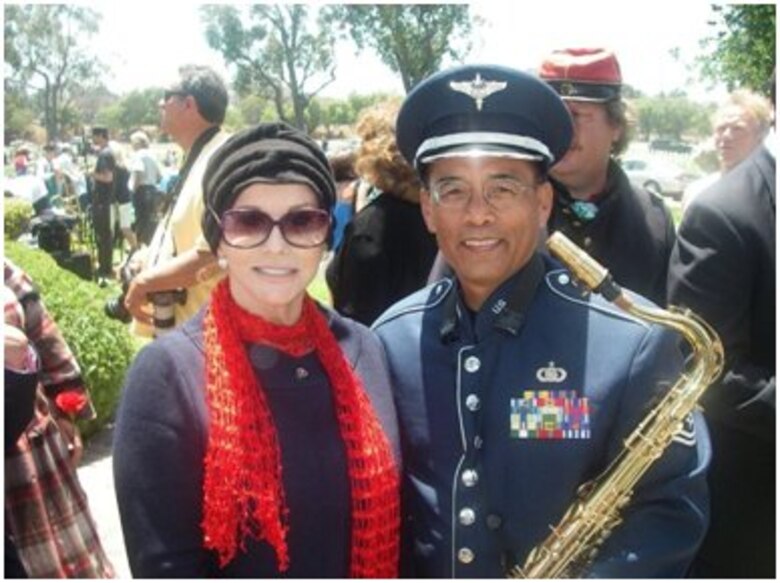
column 659, row 176
column 669, row 145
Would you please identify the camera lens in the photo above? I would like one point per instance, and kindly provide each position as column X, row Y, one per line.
column 115, row 309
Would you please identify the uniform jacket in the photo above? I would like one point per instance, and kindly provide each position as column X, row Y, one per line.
column 632, row 235
column 723, row 268
column 160, row 444
column 385, row 255
column 483, row 481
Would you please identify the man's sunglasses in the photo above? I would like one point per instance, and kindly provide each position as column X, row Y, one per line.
column 246, row 228
column 172, row 93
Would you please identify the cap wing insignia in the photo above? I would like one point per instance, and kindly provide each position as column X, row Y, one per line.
column 478, row 88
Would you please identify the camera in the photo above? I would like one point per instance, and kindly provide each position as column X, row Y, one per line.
column 115, row 307
column 163, row 304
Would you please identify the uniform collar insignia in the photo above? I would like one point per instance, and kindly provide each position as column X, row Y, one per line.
column 567, row 89
column 478, row 88
column 551, row 374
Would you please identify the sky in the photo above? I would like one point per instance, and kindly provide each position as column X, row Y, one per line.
column 145, row 46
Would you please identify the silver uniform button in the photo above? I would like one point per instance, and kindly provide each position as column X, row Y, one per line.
column 301, row 373
column 467, row 516
column 588, row 241
column 469, row 478
column 465, row 555
column 472, row 364
column 473, row 403
column 478, row 442
column 563, row 279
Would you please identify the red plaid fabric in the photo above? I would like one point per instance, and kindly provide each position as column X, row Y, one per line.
column 46, row 509
column 46, row 512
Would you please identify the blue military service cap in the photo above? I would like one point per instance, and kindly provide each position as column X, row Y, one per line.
column 483, row 110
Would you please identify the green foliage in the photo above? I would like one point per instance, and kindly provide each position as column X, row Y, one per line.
column 48, row 58
column 671, row 116
column 133, row 110
column 19, row 116
column 332, row 117
column 16, row 217
column 103, row 347
column 741, row 51
column 278, row 52
column 411, row 39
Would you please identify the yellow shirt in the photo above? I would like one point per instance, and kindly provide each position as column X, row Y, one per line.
column 182, row 232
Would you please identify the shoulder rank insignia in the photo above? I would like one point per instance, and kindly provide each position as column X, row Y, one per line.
column 478, row 88
column 551, row 374
column 549, row 415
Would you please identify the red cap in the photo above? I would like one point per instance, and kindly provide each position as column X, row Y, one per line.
column 585, row 74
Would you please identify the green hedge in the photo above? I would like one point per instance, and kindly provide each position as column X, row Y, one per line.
column 103, row 347
column 16, row 217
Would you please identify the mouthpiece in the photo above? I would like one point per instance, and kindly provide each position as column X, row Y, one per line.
column 585, row 269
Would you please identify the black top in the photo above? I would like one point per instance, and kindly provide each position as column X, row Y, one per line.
column 631, row 235
column 386, row 254
column 104, row 191
column 160, row 445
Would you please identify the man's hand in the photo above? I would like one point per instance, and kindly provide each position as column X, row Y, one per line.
column 135, row 299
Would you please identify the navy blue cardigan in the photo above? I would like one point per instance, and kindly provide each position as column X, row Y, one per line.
column 160, row 444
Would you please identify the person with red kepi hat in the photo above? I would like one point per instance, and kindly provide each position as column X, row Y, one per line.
column 624, row 226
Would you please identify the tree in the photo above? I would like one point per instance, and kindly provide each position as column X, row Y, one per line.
column 275, row 51
column 672, row 116
column 741, row 52
column 411, row 39
column 46, row 54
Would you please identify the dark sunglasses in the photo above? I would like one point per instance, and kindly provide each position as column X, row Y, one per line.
column 246, row 228
column 172, row 93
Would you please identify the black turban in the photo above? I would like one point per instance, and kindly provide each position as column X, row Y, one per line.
column 273, row 153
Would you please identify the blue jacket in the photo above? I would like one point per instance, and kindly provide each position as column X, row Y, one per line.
column 490, row 464
column 160, row 443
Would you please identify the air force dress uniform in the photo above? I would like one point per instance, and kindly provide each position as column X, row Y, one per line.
column 506, row 411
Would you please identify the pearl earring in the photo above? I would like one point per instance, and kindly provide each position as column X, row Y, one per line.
column 222, row 262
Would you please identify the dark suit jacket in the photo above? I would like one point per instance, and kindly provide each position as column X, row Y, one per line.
column 723, row 268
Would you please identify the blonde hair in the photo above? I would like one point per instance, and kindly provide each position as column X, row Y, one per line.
column 756, row 106
column 378, row 160
column 139, row 138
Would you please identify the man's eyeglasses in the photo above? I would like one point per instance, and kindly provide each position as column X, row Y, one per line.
column 246, row 228
column 171, row 93
column 500, row 193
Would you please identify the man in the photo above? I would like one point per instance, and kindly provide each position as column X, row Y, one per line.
column 723, row 268
column 474, row 359
column 740, row 126
column 178, row 257
column 103, row 198
column 622, row 225
column 144, row 175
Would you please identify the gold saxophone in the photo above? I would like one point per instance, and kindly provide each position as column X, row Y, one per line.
column 588, row 522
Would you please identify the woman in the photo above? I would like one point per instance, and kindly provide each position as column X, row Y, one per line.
column 259, row 439
column 387, row 252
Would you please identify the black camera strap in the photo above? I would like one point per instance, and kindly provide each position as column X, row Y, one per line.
column 189, row 162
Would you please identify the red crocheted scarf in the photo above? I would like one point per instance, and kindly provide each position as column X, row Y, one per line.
column 243, row 494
